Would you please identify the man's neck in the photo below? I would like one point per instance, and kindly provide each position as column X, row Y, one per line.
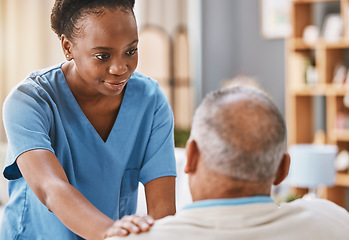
column 219, row 187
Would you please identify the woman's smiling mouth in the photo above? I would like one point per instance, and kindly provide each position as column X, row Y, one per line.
column 115, row 86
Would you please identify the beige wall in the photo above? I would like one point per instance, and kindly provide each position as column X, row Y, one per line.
column 27, row 42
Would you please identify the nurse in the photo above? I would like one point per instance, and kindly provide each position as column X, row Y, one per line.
column 83, row 133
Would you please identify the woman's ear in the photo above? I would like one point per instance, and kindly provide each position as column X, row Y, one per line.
column 193, row 156
column 282, row 170
column 66, row 47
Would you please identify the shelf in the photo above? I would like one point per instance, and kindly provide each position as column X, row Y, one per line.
column 320, row 90
column 309, row 90
column 340, row 135
column 314, row 1
column 342, row 179
column 298, row 44
column 301, row 107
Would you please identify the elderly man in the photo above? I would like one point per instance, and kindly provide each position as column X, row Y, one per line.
column 236, row 152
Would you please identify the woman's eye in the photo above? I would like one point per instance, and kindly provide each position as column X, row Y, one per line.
column 132, row 52
column 102, row 56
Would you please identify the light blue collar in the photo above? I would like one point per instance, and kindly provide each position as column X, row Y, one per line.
column 229, row 202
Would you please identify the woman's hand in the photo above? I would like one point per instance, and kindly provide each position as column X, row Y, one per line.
column 130, row 224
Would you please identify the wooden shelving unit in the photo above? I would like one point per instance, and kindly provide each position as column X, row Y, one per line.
column 300, row 95
column 342, row 179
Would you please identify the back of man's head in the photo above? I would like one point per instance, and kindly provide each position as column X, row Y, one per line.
column 240, row 134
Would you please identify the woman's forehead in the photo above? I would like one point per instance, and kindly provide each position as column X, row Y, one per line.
column 111, row 25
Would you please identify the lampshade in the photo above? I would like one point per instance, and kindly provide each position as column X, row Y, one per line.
column 312, row 165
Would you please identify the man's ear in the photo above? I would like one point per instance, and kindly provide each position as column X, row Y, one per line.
column 282, row 170
column 66, row 45
column 193, row 156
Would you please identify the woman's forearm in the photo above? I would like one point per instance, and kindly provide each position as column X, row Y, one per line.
column 76, row 212
column 160, row 195
column 46, row 177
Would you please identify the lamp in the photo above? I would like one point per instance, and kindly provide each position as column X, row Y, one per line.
column 311, row 166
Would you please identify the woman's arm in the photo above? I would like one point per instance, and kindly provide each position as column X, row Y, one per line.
column 160, row 196
column 46, row 177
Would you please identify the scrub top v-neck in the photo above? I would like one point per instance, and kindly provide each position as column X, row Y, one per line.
column 79, row 114
column 42, row 113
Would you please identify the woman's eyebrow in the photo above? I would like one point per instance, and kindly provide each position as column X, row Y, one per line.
column 135, row 41
column 108, row 48
column 101, row 48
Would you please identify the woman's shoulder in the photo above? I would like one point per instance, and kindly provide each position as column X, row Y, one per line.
column 149, row 86
column 148, row 90
column 39, row 79
column 45, row 71
column 143, row 80
column 38, row 84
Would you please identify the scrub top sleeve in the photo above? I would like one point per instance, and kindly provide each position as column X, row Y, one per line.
column 26, row 122
column 159, row 158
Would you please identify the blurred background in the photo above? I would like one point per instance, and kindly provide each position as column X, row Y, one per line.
column 192, row 47
column 214, row 40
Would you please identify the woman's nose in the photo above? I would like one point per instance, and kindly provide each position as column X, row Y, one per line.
column 119, row 68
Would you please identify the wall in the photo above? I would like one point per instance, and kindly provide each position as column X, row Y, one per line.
column 219, row 42
column 232, row 44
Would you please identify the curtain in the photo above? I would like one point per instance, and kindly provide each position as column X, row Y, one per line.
column 164, row 53
column 27, row 42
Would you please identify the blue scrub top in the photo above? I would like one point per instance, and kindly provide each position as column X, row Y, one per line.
column 42, row 113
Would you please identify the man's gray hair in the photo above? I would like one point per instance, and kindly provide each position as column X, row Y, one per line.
column 240, row 133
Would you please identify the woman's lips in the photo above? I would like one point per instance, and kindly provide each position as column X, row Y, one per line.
column 116, row 86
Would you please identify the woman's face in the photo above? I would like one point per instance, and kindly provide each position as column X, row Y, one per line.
column 105, row 53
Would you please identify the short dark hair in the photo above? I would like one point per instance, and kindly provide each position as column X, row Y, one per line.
column 66, row 13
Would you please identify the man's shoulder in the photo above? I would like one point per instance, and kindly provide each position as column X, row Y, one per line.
column 321, row 209
column 317, row 204
column 166, row 228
